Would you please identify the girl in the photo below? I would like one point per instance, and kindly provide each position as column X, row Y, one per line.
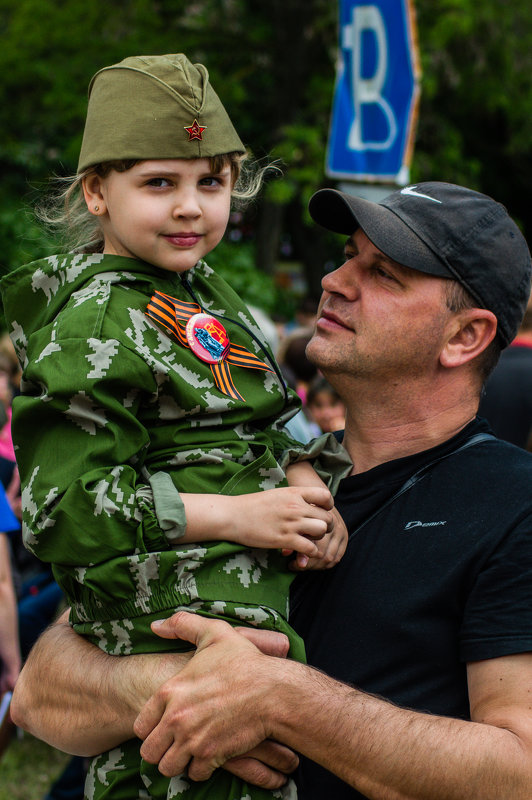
column 151, row 416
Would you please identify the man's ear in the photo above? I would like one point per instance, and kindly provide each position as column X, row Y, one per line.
column 92, row 191
column 471, row 331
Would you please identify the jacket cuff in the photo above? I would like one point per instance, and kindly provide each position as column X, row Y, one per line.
column 329, row 459
column 168, row 505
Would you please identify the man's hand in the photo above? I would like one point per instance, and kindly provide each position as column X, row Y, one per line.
column 84, row 701
column 267, row 765
column 189, row 722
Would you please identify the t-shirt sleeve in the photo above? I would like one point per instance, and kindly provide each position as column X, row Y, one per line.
column 498, row 612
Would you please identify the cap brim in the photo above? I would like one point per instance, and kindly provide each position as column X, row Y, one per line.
column 343, row 213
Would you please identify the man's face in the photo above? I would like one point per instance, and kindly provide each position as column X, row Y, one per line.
column 378, row 319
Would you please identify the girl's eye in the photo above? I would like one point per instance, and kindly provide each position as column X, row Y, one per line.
column 210, row 181
column 160, row 182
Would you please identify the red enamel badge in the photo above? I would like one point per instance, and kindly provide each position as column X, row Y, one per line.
column 207, row 338
column 195, row 131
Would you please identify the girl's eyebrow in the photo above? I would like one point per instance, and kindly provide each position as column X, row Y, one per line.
column 153, row 170
column 158, row 172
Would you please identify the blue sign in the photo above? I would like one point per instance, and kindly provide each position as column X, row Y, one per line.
column 376, row 94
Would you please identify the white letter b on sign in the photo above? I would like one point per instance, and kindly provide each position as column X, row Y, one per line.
column 368, row 91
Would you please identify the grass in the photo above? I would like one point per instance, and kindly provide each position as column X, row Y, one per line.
column 28, row 768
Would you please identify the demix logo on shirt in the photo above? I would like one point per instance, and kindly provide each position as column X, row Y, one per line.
column 418, row 524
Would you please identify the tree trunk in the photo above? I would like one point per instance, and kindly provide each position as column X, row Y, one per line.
column 268, row 230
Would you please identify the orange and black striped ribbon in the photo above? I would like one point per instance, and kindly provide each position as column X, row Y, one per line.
column 174, row 314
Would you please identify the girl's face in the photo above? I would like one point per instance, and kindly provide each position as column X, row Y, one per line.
column 168, row 212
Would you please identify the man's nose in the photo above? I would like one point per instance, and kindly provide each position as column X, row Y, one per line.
column 343, row 280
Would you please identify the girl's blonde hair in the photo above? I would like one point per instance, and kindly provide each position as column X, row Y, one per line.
column 64, row 212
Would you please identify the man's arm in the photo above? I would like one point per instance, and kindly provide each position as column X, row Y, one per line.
column 83, row 701
column 383, row 751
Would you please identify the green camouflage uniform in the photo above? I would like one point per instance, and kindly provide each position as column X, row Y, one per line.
column 115, row 419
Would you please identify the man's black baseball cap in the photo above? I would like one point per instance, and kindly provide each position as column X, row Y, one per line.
column 445, row 230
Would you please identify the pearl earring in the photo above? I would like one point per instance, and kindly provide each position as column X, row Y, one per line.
column 96, row 208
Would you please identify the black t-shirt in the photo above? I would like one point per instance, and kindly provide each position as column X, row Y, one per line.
column 437, row 577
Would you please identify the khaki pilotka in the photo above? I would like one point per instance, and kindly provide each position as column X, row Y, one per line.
column 154, row 101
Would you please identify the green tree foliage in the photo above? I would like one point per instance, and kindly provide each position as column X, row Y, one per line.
column 273, row 64
column 475, row 122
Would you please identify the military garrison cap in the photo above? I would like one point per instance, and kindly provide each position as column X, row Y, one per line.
column 151, row 107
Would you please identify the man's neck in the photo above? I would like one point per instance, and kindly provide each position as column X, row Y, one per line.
column 380, row 429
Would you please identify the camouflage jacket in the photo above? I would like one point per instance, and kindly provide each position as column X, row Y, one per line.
column 115, row 419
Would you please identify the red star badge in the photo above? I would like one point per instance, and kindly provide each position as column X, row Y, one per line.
column 195, row 131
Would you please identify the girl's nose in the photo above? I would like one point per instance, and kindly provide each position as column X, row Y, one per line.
column 186, row 204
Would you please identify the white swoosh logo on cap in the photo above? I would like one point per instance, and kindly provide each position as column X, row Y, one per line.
column 410, row 191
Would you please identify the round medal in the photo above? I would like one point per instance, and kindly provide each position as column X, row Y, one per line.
column 207, row 338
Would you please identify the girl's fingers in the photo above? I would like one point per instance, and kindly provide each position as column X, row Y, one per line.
column 318, row 496
column 313, row 527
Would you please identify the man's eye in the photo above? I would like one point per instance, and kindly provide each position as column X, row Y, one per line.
column 384, row 274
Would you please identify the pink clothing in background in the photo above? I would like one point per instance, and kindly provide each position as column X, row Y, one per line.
column 6, row 442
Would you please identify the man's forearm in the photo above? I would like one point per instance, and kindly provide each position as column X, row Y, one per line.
column 390, row 753
column 81, row 700
column 383, row 751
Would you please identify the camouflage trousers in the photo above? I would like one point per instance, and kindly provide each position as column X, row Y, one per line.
column 121, row 773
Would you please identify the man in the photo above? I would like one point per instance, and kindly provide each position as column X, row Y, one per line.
column 507, row 399
column 425, row 626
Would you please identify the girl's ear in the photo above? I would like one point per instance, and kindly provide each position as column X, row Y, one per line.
column 92, row 191
column 472, row 330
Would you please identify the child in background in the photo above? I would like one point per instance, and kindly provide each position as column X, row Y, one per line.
column 325, row 406
column 150, row 426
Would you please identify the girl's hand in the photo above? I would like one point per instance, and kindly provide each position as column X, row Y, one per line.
column 330, row 548
column 291, row 518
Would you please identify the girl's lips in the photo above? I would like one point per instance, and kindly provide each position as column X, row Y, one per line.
column 183, row 239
